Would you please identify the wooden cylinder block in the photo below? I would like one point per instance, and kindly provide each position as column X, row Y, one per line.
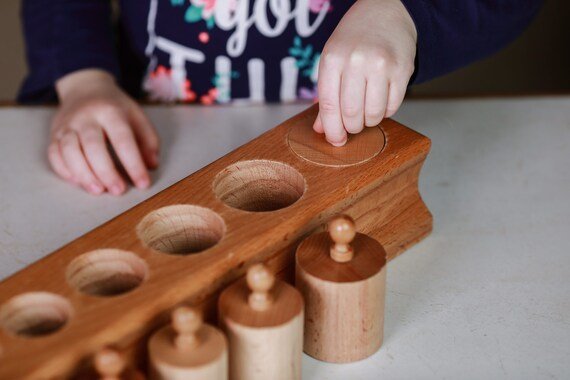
column 110, row 364
column 344, row 291
column 188, row 349
column 263, row 319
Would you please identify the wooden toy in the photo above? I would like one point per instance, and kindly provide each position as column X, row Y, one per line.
column 342, row 276
column 116, row 284
column 263, row 319
column 188, row 349
column 111, row 365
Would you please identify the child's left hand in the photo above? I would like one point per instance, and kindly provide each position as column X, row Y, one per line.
column 365, row 68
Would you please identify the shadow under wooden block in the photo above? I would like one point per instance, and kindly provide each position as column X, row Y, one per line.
column 116, row 284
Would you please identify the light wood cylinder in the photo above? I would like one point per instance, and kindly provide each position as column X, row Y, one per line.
column 344, row 301
column 200, row 355
column 266, row 340
column 110, row 364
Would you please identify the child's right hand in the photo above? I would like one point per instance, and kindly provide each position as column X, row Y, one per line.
column 365, row 68
column 95, row 110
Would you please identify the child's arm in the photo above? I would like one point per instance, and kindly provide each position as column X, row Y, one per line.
column 63, row 36
column 369, row 60
column 71, row 56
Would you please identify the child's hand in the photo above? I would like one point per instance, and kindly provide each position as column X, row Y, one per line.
column 95, row 110
column 365, row 68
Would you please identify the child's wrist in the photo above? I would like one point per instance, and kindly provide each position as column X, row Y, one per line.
column 83, row 82
column 408, row 20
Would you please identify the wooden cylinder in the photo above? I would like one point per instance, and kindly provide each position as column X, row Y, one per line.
column 264, row 326
column 188, row 349
column 110, row 364
column 344, row 298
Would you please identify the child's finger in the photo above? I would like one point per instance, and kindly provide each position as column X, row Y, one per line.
column 375, row 101
column 123, row 141
column 57, row 163
column 329, row 101
column 98, row 157
column 396, row 95
column 353, row 88
column 75, row 161
column 318, row 124
column 146, row 136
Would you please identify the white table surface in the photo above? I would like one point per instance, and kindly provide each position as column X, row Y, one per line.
column 486, row 296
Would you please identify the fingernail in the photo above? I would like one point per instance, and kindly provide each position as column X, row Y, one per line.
column 143, row 183
column 95, row 189
column 338, row 143
column 116, row 189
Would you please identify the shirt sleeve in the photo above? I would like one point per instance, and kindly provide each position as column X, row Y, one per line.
column 63, row 36
column 452, row 34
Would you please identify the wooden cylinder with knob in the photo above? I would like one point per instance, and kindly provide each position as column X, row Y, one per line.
column 342, row 277
column 263, row 320
column 111, row 365
column 188, row 349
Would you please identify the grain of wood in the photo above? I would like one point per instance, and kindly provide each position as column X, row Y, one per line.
column 188, row 349
column 344, row 301
column 381, row 195
column 265, row 342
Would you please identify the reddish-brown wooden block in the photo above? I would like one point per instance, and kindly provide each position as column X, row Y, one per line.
column 119, row 282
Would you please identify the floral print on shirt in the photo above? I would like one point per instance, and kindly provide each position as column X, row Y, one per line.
column 243, row 70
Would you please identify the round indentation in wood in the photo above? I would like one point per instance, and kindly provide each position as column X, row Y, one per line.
column 35, row 314
column 181, row 229
column 259, row 185
column 313, row 147
column 106, row 272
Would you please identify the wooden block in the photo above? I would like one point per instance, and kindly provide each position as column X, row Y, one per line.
column 188, row 349
column 263, row 319
column 342, row 276
column 117, row 284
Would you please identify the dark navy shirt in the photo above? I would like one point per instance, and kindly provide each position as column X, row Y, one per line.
column 217, row 51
